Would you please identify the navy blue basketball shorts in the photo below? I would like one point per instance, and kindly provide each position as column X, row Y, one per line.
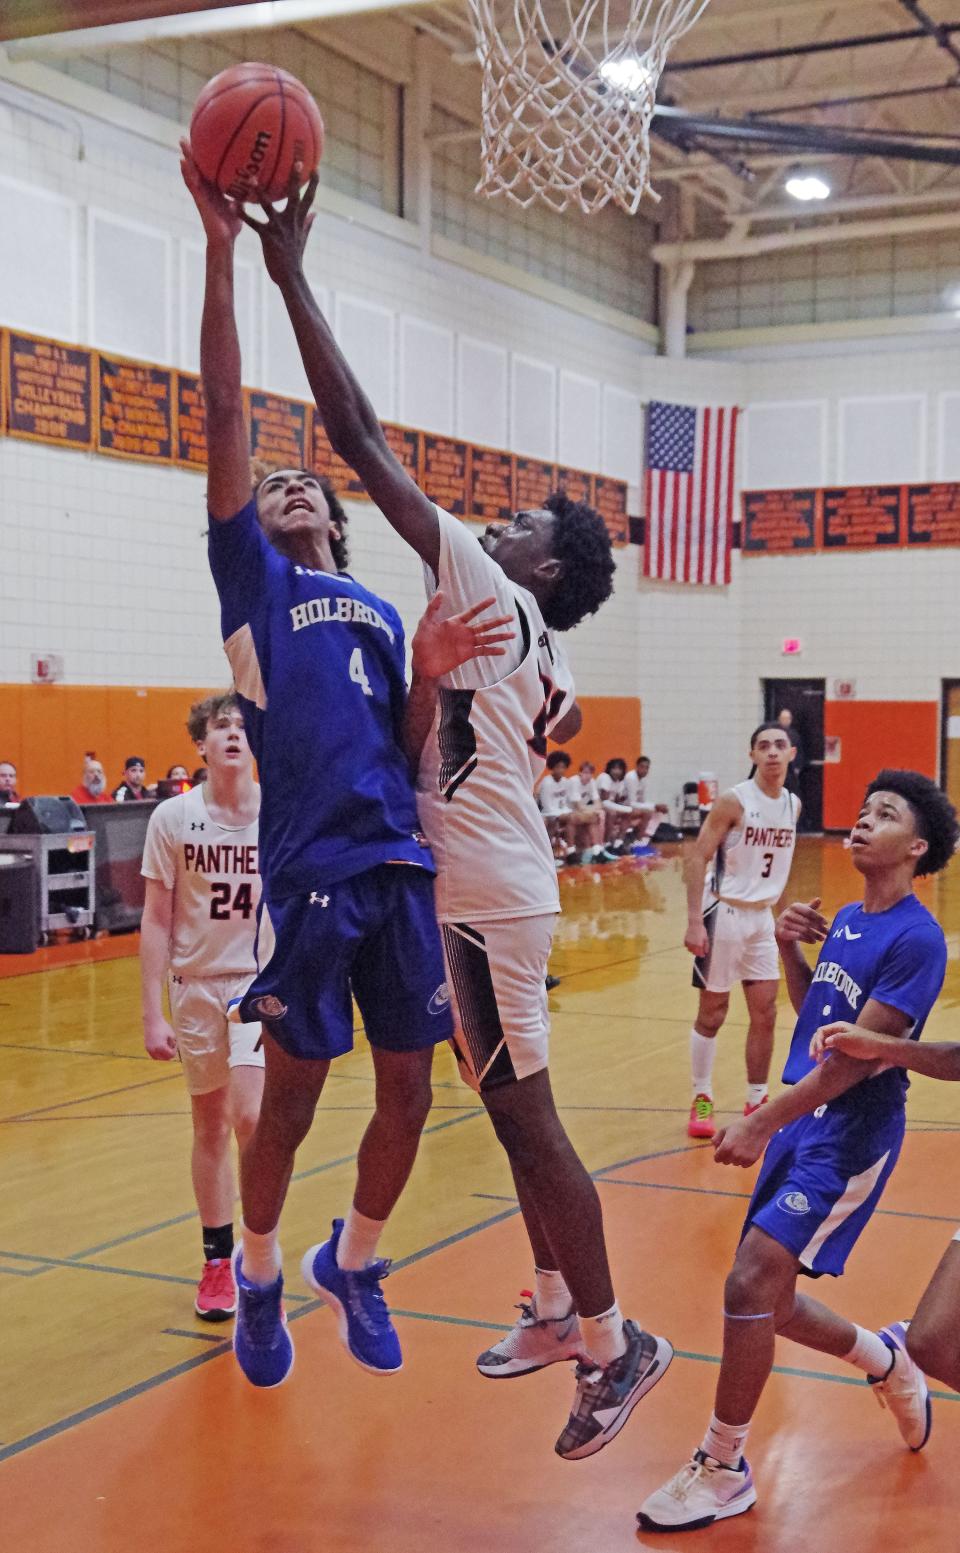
column 821, row 1179
column 374, row 938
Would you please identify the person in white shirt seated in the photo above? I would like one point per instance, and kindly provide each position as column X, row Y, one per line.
column 620, row 823
column 649, row 815
column 553, row 796
column 589, row 820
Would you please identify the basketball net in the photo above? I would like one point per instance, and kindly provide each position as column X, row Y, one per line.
column 568, row 95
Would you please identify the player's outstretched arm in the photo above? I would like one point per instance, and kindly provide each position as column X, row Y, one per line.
column 349, row 419
column 743, row 1141
column 934, row 1059
column 228, row 445
column 439, row 647
column 725, row 814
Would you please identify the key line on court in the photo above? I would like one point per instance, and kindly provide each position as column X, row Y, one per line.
column 463, row 1114
column 72, row 1265
column 73, row 1051
column 104, row 1094
column 716, row 1191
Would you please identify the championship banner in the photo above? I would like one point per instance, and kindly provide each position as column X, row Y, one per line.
column 73, row 397
column 134, row 404
column 780, row 522
column 48, row 391
column 857, row 517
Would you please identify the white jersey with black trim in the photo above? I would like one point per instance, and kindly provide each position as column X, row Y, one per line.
column 212, row 871
column 487, row 747
column 752, row 866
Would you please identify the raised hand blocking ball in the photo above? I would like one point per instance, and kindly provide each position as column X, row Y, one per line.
column 250, row 125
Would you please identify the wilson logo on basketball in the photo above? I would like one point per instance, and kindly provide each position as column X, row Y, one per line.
column 244, row 176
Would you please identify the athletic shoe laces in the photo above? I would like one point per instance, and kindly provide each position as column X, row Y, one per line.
column 366, row 1296
column 217, row 1279
column 262, row 1314
column 703, row 1107
column 680, row 1486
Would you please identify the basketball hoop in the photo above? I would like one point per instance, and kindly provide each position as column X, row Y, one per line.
column 568, row 95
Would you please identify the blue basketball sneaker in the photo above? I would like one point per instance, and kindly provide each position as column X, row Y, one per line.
column 261, row 1341
column 366, row 1330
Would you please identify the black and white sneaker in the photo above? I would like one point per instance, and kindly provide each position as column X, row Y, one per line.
column 606, row 1398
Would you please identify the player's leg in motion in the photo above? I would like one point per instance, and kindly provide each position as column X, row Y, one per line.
column 761, row 999
column 711, row 1013
column 933, row 1337
column 345, row 1271
column 292, row 1087
column 214, row 1188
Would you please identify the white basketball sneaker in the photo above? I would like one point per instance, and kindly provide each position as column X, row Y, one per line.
column 532, row 1343
column 702, row 1492
column 904, row 1389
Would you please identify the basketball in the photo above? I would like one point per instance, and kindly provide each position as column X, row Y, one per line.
column 251, row 123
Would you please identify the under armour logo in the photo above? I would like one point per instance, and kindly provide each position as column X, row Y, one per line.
column 197, row 824
column 319, row 900
column 178, row 980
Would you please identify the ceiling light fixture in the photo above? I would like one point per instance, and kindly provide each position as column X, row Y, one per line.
column 626, row 74
column 807, row 187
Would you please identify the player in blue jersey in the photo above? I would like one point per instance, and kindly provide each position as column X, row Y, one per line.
column 831, row 1139
column 319, row 667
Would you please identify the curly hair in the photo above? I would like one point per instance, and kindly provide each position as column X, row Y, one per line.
column 557, row 758
column 260, row 470
column 202, row 713
column 582, row 544
column 933, row 813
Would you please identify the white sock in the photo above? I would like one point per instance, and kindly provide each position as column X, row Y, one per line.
column 358, row 1241
column 756, row 1093
column 552, row 1300
column 260, row 1257
column 653, row 825
column 725, row 1442
column 603, row 1336
column 870, row 1354
column 703, row 1050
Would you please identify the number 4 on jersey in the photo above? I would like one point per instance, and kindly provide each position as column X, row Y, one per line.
column 358, row 673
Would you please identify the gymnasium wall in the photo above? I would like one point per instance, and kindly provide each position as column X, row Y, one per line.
column 103, row 560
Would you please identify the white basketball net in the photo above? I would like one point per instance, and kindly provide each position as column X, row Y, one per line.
column 568, row 95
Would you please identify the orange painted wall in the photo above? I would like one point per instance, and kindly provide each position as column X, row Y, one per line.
column 45, row 729
column 611, row 727
column 875, row 734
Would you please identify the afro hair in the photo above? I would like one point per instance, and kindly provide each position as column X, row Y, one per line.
column 582, row 544
column 933, row 813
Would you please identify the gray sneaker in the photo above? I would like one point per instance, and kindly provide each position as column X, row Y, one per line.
column 531, row 1344
column 606, row 1398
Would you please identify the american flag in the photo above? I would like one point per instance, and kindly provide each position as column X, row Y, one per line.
column 691, row 457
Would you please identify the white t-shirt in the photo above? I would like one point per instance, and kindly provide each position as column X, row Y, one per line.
column 612, row 792
column 636, row 790
column 753, row 863
column 583, row 795
column 553, row 796
column 487, row 747
column 212, row 871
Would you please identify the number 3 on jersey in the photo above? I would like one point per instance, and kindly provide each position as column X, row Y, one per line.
column 358, row 673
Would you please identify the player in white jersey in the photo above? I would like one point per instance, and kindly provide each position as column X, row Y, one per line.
column 484, row 745
column 197, row 934
column 746, row 845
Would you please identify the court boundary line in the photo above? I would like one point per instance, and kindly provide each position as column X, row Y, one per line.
column 714, row 1191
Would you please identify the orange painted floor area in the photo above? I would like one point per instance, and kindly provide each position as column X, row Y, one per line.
column 125, row 1424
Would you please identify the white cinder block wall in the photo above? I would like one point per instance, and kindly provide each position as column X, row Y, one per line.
column 104, row 560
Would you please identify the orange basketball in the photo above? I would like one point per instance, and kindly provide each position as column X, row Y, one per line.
column 251, row 123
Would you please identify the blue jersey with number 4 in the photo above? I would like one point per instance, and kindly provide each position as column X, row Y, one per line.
column 318, row 663
column 897, row 957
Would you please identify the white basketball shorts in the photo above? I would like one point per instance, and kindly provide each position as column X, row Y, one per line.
column 496, row 972
column 742, row 948
column 209, row 1046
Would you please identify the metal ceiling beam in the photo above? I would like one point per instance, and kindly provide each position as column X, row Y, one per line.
column 700, row 250
column 852, row 101
column 795, row 50
column 936, row 30
column 690, row 129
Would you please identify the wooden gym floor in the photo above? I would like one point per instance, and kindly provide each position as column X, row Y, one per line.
column 124, row 1421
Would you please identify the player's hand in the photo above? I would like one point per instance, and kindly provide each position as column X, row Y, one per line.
column 802, row 924
column 853, row 1042
column 221, row 218
column 697, row 940
column 284, row 233
column 742, row 1141
column 439, row 646
column 159, row 1040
